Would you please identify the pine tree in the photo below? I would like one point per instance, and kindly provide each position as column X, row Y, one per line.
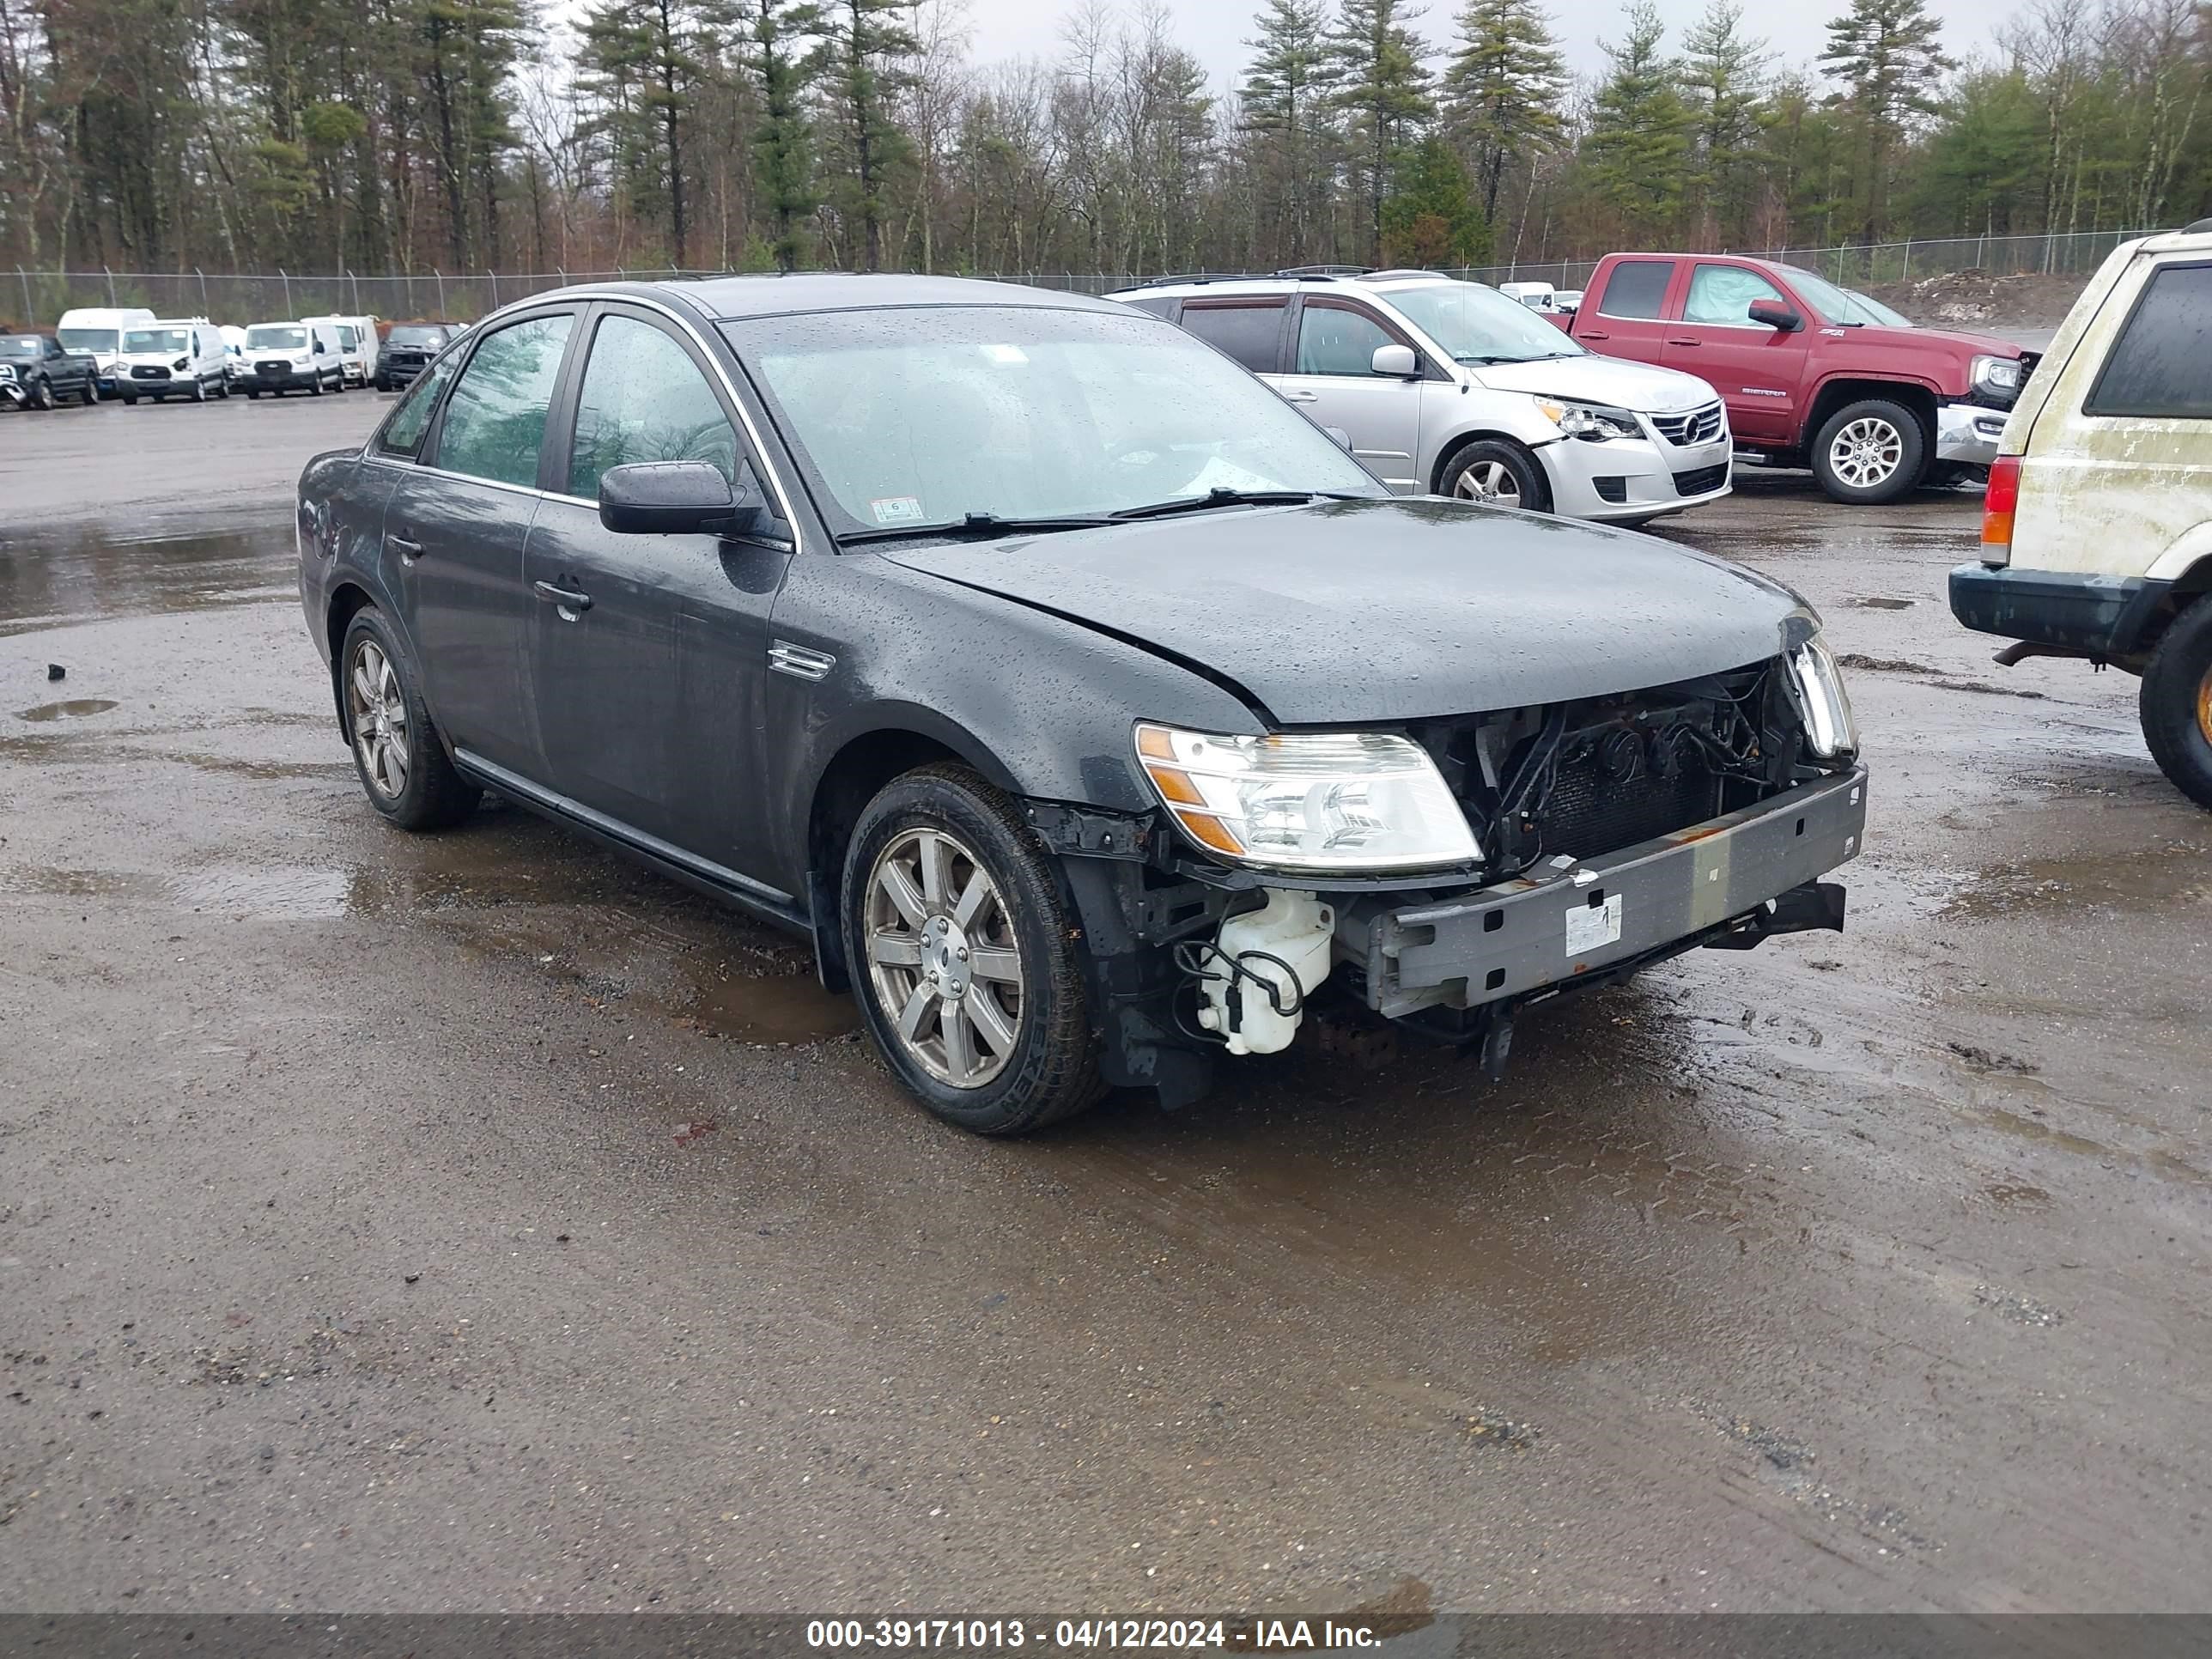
column 1429, row 220
column 1286, row 114
column 1504, row 89
column 1639, row 129
column 1887, row 56
column 781, row 66
column 863, row 42
column 1722, row 72
column 1383, row 86
column 643, row 56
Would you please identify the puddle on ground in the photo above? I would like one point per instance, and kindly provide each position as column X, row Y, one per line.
column 2170, row 877
column 84, row 573
column 75, row 708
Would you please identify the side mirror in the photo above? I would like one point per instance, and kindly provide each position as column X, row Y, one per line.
column 1343, row 439
column 1775, row 315
column 670, row 498
column 1397, row 362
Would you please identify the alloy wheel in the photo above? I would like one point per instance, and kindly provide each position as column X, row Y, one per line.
column 378, row 713
column 1488, row 481
column 942, row 957
column 1866, row 453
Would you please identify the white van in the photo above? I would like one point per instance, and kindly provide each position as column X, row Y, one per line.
column 173, row 357
column 356, row 343
column 97, row 332
column 2097, row 527
column 302, row 356
column 1537, row 296
column 234, row 342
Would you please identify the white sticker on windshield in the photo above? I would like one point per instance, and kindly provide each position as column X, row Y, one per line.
column 1589, row 927
column 896, row 509
column 1005, row 353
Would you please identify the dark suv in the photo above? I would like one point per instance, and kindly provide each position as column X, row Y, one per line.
column 1091, row 710
column 406, row 350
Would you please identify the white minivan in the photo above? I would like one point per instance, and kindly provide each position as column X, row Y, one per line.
column 356, row 343
column 97, row 332
column 302, row 356
column 173, row 357
column 2097, row 526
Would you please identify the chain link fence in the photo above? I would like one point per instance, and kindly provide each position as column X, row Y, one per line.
column 38, row 298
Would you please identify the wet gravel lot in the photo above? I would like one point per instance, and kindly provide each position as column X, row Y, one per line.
column 473, row 1221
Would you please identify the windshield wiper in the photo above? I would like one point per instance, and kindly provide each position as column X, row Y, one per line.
column 1219, row 496
column 972, row 526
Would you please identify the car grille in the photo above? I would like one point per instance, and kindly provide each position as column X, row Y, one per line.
column 148, row 372
column 275, row 369
column 1699, row 426
column 1699, row 479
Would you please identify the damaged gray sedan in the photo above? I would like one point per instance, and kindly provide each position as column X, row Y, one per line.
column 1095, row 715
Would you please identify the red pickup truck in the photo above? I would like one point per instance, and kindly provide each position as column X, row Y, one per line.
column 1813, row 374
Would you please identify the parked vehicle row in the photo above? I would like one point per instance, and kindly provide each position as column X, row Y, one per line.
column 130, row 353
column 1451, row 388
column 707, row 569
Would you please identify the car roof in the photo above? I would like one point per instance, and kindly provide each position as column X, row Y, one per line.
column 1373, row 281
column 729, row 298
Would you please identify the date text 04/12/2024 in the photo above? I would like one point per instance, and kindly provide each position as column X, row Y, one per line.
column 1243, row 1635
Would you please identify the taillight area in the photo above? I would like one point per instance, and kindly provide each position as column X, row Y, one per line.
column 1997, row 508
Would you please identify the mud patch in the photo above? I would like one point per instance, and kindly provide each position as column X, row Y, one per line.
column 1986, row 1060
column 2174, row 875
column 1885, row 604
column 1865, row 663
column 2020, row 1310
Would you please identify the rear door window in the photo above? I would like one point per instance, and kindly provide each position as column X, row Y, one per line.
column 1250, row 332
column 495, row 422
column 1636, row 287
column 2157, row 368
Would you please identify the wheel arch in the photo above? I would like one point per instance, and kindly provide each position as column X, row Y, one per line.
column 1462, row 441
column 848, row 779
column 1915, row 395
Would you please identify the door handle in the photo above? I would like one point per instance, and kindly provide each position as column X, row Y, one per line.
column 406, row 550
column 1685, row 342
column 566, row 598
column 1302, row 397
column 1594, row 334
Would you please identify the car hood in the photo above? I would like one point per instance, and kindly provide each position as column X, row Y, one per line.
column 1593, row 379
column 1377, row 611
column 1959, row 341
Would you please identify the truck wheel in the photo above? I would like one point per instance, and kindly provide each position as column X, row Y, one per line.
column 199, row 390
column 252, row 395
column 1870, row 452
column 1498, row 473
column 403, row 768
column 42, row 393
column 2175, row 703
column 961, row 956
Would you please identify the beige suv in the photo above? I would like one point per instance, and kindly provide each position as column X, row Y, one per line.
column 2097, row 534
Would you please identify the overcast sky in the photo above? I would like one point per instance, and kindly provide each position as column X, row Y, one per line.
column 1216, row 29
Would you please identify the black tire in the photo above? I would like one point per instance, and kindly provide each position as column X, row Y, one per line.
column 92, row 392
column 130, row 400
column 1050, row 1071
column 1481, row 471
column 425, row 792
column 383, row 383
column 1891, row 452
column 252, row 395
column 222, row 388
column 41, row 395
column 2175, row 702
column 199, row 390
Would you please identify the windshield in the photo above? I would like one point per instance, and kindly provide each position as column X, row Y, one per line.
column 914, row 418
column 1843, row 304
column 86, row 339
column 274, row 336
column 1479, row 325
column 416, row 335
column 156, row 339
column 24, row 346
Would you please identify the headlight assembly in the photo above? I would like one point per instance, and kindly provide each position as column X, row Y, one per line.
column 1816, row 686
column 1996, row 373
column 1593, row 421
column 1346, row 801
